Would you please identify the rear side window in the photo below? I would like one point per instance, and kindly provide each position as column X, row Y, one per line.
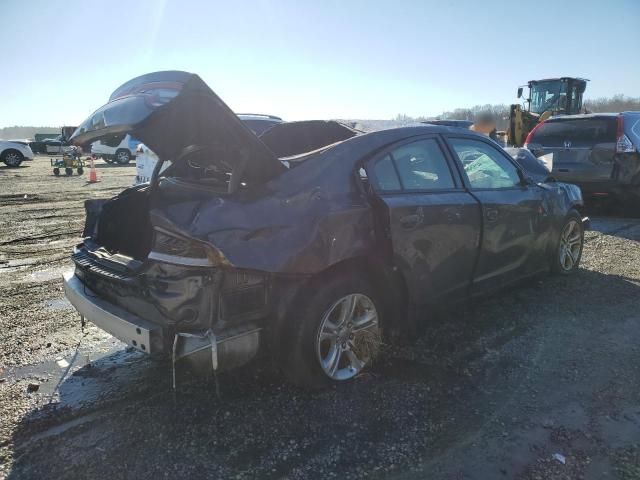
column 422, row 166
column 580, row 132
column 632, row 127
column 385, row 173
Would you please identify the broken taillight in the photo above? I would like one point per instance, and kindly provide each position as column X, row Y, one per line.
column 172, row 248
column 169, row 244
column 623, row 144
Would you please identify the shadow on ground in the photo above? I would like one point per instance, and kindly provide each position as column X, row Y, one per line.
column 100, row 164
column 5, row 169
column 487, row 390
column 628, row 228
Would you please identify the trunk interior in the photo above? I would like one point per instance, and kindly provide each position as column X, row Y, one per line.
column 124, row 226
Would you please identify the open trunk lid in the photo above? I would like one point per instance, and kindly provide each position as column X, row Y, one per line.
column 175, row 113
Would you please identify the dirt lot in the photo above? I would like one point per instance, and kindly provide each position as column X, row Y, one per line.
column 491, row 390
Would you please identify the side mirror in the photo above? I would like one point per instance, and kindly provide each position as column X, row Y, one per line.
column 519, row 92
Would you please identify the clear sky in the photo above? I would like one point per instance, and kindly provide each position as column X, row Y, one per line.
column 301, row 59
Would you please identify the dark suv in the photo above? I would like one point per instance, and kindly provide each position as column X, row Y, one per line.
column 600, row 152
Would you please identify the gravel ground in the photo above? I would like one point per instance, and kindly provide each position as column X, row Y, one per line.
column 493, row 389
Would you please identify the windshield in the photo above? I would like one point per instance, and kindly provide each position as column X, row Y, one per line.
column 578, row 132
column 550, row 95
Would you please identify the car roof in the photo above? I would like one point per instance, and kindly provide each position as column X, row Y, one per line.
column 581, row 116
column 258, row 116
column 391, row 135
column 448, row 122
column 558, row 78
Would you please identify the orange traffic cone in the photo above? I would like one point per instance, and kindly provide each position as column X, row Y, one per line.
column 93, row 175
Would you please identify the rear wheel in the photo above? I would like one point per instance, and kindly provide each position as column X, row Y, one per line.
column 336, row 333
column 568, row 252
column 123, row 156
column 56, row 171
column 12, row 158
column 80, row 170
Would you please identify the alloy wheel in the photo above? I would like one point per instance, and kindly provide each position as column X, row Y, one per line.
column 123, row 157
column 349, row 336
column 570, row 245
column 12, row 159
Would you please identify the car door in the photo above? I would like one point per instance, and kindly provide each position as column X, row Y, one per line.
column 515, row 222
column 433, row 223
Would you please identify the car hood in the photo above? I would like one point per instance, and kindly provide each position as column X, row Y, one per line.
column 538, row 169
column 295, row 138
column 175, row 113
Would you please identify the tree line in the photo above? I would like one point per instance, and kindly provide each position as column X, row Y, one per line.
column 20, row 133
column 614, row 104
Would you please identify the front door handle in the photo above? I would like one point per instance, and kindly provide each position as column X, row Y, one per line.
column 491, row 214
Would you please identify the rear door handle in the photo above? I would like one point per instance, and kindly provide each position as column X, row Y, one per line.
column 491, row 214
column 410, row 221
column 452, row 214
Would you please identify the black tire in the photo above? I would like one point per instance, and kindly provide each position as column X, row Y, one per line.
column 12, row 158
column 123, row 156
column 56, row 171
column 68, row 171
column 300, row 359
column 80, row 170
column 566, row 255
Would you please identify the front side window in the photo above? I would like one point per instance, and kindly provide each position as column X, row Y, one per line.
column 484, row 165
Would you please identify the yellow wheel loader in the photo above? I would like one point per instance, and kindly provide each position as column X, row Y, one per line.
column 551, row 96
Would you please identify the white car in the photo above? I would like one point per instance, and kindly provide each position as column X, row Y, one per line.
column 146, row 161
column 121, row 153
column 12, row 153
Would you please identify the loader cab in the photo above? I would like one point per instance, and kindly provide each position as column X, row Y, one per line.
column 555, row 95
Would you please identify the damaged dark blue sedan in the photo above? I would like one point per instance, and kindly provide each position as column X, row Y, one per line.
column 235, row 249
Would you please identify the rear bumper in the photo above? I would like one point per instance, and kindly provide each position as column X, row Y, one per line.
column 225, row 350
column 125, row 326
column 621, row 191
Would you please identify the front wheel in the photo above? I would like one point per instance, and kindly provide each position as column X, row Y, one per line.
column 123, row 157
column 12, row 158
column 336, row 333
column 567, row 254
